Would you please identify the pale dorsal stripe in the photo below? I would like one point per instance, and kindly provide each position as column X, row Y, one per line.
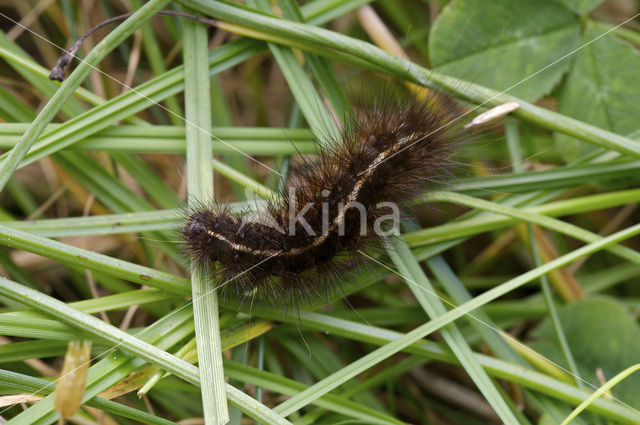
column 350, row 200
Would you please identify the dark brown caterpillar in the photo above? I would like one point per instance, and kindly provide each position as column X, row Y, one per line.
column 301, row 246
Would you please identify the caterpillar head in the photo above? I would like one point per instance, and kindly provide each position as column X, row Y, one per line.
column 208, row 234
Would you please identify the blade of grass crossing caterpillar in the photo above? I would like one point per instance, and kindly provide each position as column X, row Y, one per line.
column 200, row 181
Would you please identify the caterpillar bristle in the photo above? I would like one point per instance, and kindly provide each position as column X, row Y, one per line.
column 302, row 247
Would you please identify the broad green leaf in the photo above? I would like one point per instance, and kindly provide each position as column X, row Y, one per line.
column 602, row 334
column 600, row 89
column 581, row 6
column 502, row 43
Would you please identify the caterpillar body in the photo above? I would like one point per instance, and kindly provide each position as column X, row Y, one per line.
column 305, row 241
column 300, row 247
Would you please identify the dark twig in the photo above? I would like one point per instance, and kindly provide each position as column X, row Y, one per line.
column 57, row 72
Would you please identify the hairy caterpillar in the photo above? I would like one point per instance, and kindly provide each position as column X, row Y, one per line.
column 299, row 248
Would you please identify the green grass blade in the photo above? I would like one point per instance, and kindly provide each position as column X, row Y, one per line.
column 200, row 181
column 12, row 161
column 326, row 385
column 311, row 38
column 601, row 391
column 409, row 268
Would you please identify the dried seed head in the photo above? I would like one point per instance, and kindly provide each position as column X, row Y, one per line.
column 70, row 386
column 493, row 113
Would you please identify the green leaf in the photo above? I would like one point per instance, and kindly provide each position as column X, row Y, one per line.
column 582, row 7
column 490, row 43
column 601, row 334
column 599, row 90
